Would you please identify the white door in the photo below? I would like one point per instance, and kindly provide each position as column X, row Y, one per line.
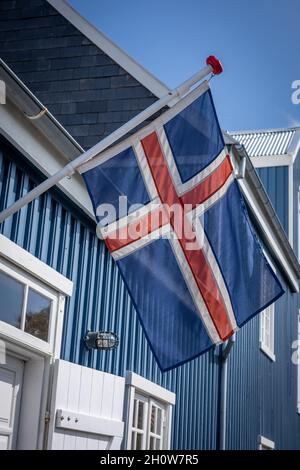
column 11, row 375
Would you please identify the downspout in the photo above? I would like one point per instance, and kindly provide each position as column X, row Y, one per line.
column 223, row 358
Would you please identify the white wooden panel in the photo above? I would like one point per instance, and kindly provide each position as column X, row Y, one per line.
column 60, row 393
column 90, row 424
column 91, row 405
column 11, row 375
column 96, row 393
column 73, row 402
column 118, row 402
column 107, row 396
column 84, row 403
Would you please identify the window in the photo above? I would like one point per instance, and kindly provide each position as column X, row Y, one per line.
column 32, row 297
column 267, row 331
column 25, row 305
column 149, row 413
column 265, row 444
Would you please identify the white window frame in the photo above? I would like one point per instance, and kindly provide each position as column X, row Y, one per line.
column 265, row 443
column 137, row 387
column 33, row 273
column 268, row 347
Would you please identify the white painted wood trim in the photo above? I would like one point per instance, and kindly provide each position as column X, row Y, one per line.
column 34, row 393
column 148, row 80
column 149, row 388
column 267, row 351
column 95, row 399
column 128, row 414
column 27, row 262
column 12, row 334
column 90, row 424
column 291, row 204
column 169, row 424
column 270, row 162
column 263, row 441
column 43, row 154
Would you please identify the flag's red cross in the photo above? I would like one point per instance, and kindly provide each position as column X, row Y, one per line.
column 196, row 259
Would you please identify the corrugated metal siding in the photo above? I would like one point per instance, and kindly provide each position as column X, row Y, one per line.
column 262, row 395
column 276, row 183
column 55, row 233
column 265, row 143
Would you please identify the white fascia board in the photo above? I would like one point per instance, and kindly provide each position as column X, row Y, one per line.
column 270, row 162
column 29, row 263
column 291, row 204
column 150, row 388
column 142, row 75
column 42, row 153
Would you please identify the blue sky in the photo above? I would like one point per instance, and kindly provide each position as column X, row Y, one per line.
column 258, row 43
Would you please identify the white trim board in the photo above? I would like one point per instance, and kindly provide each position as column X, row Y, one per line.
column 150, row 388
column 270, row 162
column 41, row 152
column 34, row 266
column 110, row 48
column 81, row 422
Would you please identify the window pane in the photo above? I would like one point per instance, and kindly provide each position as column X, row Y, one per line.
column 11, row 295
column 37, row 315
column 133, row 440
column 140, row 415
column 158, row 422
column 152, row 443
column 153, row 419
column 135, row 405
column 139, row 439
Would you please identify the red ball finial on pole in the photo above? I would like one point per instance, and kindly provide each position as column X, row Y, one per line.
column 215, row 64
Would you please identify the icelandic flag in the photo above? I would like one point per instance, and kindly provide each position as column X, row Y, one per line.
column 194, row 275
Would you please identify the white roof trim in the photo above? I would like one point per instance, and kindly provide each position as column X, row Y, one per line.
column 271, row 161
column 148, row 80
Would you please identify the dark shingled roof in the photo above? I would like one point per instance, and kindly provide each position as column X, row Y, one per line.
column 89, row 93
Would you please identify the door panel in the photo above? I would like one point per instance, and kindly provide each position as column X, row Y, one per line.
column 11, row 375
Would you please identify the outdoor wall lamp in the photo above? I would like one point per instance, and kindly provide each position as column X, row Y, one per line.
column 103, row 340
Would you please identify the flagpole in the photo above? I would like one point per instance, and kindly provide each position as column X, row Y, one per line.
column 213, row 65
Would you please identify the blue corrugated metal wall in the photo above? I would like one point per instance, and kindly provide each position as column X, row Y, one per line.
column 262, row 393
column 58, row 234
column 296, row 188
column 276, row 183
